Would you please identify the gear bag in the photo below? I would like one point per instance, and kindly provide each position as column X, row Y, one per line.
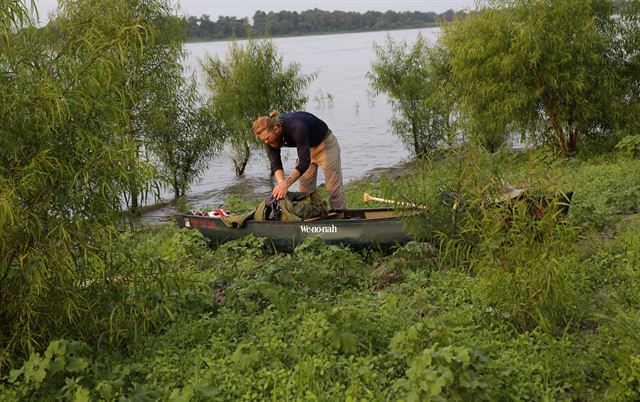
column 295, row 207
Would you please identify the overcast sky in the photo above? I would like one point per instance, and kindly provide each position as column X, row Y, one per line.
column 246, row 8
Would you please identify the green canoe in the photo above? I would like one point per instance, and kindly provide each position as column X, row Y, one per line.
column 379, row 228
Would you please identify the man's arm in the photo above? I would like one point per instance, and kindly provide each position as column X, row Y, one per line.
column 280, row 190
column 300, row 136
column 279, row 174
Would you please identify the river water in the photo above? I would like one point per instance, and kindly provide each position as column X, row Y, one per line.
column 340, row 95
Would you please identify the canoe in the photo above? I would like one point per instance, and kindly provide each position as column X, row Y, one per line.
column 363, row 228
column 378, row 228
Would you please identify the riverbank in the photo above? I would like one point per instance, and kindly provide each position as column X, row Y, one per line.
column 484, row 308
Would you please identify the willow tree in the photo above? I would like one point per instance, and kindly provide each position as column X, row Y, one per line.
column 181, row 134
column 251, row 81
column 153, row 65
column 65, row 163
column 629, row 40
column 154, row 73
column 171, row 135
column 542, row 68
column 413, row 78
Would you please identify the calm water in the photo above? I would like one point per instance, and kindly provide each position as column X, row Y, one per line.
column 340, row 96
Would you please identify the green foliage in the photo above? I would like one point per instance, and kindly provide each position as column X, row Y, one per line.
column 437, row 373
column 524, row 257
column 66, row 94
column 626, row 386
column 250, row 82
column 410, row 77
column 181, row 133
column 531, row 284
column 629, row 39
column 203, row 29
column 237, row 203
column 494, row 304
column 156, row 87
column 629, row 146
column 149, row 69
column 66, row 372
column 537, row 366
column 58, row 374
column 616, row 264
column 132, row 292
column 454, row 189
column 414, row 256
column 317, row 324
column 530, row 275
column 440, row 374
column 312, row 268
column 618, row 275
column 545, row 70
column 604, row 191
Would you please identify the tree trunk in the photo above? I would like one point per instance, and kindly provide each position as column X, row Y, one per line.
column 414, row 132
column 176, row 187
column 240, row 163
column 573, row 141
column 134, row 208
column 558, row 133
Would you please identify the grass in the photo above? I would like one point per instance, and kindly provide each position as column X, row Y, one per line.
column 490, row 305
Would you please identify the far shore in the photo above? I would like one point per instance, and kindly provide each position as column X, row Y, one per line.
column 231, row 38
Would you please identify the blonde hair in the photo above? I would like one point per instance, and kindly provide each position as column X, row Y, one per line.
column 269, row 122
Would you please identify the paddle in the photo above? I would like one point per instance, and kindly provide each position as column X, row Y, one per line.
column 368, row 198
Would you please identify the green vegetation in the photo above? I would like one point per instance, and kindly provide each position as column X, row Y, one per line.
column 549, row 72
column 410, row 77
column 494, row 300
column 75, row 98
column 249, row 83
column 511, row 71
column 496, row 305
column 182, row 134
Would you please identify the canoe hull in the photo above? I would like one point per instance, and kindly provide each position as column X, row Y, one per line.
column 358, row 229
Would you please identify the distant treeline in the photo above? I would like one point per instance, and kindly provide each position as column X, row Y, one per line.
column 314, row 21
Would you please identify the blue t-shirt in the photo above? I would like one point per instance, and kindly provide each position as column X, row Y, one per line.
column 303, row 131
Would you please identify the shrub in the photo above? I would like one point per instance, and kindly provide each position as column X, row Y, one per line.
column 602, row 191
column 629, row 146
column 434, row 371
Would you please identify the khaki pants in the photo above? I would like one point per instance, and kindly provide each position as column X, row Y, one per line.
column 327, row 156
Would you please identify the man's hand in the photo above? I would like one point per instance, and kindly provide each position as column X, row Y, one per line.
column 280, row 190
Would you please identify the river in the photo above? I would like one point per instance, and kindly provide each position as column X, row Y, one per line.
column 340, row 95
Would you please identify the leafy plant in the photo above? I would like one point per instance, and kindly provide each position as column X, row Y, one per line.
column 409, row 75
column 437, row 372
column 181, row 133
column 604, row 191
column 441, row 374
column 629, row 146
column 250, row 82
column 66, row 97
column 545, row 70
column 57, row 374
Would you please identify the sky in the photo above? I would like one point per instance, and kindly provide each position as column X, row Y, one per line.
column 246, row 8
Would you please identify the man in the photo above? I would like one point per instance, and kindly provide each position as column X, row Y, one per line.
column 316, row 146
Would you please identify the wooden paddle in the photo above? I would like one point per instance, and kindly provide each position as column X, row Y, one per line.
column 368, row 198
